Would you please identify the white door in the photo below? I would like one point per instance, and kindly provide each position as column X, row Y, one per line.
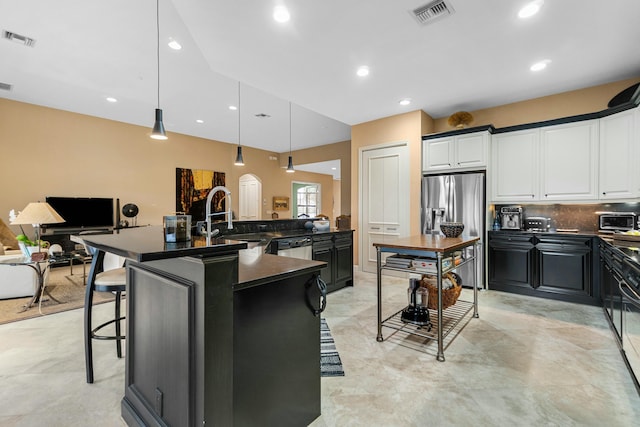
column 385, row 198
column 249, row 198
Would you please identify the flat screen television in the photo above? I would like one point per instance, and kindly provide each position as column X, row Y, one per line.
column 82, row 212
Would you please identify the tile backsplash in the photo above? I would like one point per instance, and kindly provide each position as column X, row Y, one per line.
column 580, row 216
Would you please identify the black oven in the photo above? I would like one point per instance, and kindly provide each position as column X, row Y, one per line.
column 630, row 290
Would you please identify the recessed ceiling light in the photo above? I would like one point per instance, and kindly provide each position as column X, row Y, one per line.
column 539, row 66
column 363, row 71
column 173, row 44
column 405, row 101
column 530, row 9
column 111, row 99
column 281, row 14
column 199, row 121
column 233, row 107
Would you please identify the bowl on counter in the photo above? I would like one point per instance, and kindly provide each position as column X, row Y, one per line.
column 452, row 229
column 322, row 225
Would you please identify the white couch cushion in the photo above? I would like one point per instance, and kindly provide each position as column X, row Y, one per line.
column 17, row 280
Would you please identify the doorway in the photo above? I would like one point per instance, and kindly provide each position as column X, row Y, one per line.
column 384, row 186
column 250, row 198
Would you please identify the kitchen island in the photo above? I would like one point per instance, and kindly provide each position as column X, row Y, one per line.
column 215, row 334
column 428, row 246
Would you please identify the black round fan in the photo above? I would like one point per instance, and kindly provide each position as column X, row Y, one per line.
column 129, row 210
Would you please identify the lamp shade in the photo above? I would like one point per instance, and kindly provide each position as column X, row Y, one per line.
column 239, row 160
column 158, row 127
column 38, row 213
column 290, row 168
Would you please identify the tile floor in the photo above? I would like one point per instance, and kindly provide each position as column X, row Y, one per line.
column 524, row 362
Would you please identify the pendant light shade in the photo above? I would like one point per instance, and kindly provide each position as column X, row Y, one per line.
column 158, row 131
column 239, row 160
column 290, row 168
column 158, row 127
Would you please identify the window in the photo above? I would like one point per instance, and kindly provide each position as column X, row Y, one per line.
column 307, row 199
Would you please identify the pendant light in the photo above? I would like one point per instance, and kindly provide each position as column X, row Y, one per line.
column 158, row 127
column 290, row 168
column 239, row 160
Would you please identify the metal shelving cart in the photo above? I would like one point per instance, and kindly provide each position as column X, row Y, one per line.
column 428, row 246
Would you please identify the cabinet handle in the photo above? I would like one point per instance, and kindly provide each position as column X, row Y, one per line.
column 375, row 228
column 394, row 229
column 533, row 195
column 604, row 193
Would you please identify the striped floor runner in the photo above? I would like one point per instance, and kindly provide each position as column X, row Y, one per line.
column 330, row 363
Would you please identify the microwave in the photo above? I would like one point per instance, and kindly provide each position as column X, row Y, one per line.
column 617, row 221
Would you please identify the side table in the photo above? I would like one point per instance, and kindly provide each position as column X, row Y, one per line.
column 41, row 269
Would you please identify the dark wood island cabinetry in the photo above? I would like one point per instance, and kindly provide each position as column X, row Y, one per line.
column 222, row 337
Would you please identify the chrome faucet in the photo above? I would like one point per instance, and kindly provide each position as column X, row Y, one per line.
column 227, row 193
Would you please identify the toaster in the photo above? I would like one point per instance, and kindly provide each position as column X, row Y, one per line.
column 537, row 223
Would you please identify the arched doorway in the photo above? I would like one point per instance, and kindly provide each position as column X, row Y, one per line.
column 250, row 198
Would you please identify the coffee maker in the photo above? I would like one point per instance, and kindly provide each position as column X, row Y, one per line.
column 511, row 217
column 417, row 311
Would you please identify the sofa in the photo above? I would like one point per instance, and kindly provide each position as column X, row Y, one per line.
column 16, row 281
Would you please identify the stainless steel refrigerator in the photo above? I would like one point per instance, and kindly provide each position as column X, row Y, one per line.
column 458, row 197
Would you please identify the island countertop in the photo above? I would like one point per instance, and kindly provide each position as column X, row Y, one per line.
column 428, row 242
column 147, row 244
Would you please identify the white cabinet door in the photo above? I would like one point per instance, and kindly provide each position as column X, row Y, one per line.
column 471, row 150
column 618, row 156
column 466, row 151
column 569, row 161
column 514, row 169
column 385, row 199
column 437, row 154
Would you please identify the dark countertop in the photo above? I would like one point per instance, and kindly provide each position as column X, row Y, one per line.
column 254, row 269
column 147, row 244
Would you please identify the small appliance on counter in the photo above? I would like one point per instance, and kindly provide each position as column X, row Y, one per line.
column 610, row 222
column 416, row 312
column 177, row 228
column 511, row 217
column 537, row 223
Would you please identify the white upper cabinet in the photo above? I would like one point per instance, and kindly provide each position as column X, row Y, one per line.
column 619, row 152
column 455, row 152
column 569, row 161
column 514, row 166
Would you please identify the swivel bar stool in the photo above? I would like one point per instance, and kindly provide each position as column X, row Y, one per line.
column 103, row 279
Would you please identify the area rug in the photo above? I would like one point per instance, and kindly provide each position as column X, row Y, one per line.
column 67, row 292
column 330, row 363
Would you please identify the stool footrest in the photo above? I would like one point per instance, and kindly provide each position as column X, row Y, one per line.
column 107, row 337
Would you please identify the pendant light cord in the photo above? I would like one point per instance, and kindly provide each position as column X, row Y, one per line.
column 289, row 128
column 239, row 112
column 158, row 45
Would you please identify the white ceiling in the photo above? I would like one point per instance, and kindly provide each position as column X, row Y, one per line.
column 87, row 50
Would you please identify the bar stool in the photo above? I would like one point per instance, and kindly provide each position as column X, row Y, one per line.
column 106, row 275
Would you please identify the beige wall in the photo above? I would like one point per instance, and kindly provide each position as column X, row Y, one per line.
column 404, row 127
column 583, row 101
column 337, row 151
column 48, row 152
column 410, row 127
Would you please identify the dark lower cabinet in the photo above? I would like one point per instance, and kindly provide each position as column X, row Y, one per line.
column 546, row 265
column 336, row 249
column 511, row 260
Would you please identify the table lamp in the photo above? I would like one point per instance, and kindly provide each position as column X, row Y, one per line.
column 38, row 213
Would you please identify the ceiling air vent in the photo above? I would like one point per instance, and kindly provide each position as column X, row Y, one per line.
column 27, row 41
column 432, row 12
column 5, row 86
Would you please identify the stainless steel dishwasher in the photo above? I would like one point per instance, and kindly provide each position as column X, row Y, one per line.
column 295, row 247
